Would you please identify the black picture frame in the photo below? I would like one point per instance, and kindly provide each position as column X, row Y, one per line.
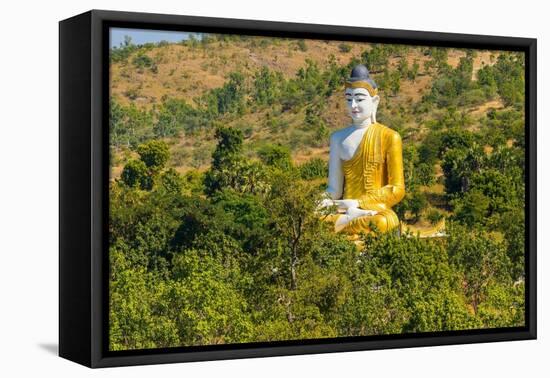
column 84, row 175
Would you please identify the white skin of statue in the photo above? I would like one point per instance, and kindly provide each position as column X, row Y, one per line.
column 361, row 107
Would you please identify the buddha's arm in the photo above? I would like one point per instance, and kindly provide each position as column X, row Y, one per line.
column 394, row 191
column 335, row 173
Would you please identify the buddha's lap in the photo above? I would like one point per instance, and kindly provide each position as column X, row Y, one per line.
column 383, row 221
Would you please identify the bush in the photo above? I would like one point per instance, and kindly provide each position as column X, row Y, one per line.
column 136, row 175
column 274, row 155
column 344, row 47
column 301, row 45
column 313, row 169
column 434, row 216
column 142, row 61
column 154, row 154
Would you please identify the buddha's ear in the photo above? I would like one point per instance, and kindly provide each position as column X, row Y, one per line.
column 376, row 100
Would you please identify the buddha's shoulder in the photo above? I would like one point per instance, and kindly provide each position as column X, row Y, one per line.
column 387, row 132
column 342, row 133
column 385, row 129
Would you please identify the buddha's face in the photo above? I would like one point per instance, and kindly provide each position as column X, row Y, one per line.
column 361, row 105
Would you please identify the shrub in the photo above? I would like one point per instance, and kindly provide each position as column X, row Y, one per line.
column 314, row 168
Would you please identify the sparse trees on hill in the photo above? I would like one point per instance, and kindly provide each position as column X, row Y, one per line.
column 376, row 59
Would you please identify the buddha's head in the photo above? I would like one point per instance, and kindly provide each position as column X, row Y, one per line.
column 361, row 96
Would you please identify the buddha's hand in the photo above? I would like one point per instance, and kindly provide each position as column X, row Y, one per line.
column 325, row 201
column 355, row 212
column 345, row 204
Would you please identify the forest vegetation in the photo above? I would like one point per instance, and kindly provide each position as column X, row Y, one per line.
column 218, row 152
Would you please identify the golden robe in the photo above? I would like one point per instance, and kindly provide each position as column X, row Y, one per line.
column 374, row 177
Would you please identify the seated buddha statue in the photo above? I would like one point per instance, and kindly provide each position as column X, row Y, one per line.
column 365, row 164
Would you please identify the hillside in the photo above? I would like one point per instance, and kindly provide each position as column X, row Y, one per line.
column 187, row 71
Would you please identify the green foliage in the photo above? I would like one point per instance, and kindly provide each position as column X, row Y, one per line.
column 138, row 316
column 504, row 125
column 227, row 99
column 412, row 73
column 438, row 59
column 135, row 174
column 480, row 259
column 455, row 138
column 403, row 68
column 142, row 61
column 171, row 181
column 301, row 45
column 509, row 72
column 205, row 307
column 175, row 116
column 417, row 202
column 418, row 167
column 394, row 83
column 129, row 125
column 243, row 266
column 314, row 169
column 266, row 86
column 275, row 155
column 459, row 164
column 121, row 53
column 311, row 85
column 407, row 284
column 472, row 208
column 487, row 80
column 229, row 169
column 425, row 174
column 154, row 154
column 238, row 254
column 455, row 86
column 376, row 59
column 452, row 83
column 434, row 216
column 292, row 202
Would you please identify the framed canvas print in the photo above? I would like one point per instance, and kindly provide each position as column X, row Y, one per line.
column 234, row 188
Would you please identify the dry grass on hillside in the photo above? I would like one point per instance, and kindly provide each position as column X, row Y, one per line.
column 186, row 72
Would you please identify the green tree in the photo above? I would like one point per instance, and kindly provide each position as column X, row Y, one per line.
column 129, row 125
column 142, row 61
column 459, row 165
column 137, row 316
column 154, row 154
column 472, row 208
column 275, row 155
column 417, row 203
column 229, row 169
column 266, row 86
column 376, row 59
column 395, row 82
column 412, row 73
column 486, row 79
column 206, row 308
column 175, row 116
column 135, row 174
column 510, row 77
column 227, row 99
column 403, row 68
column 480, row 259
column 293, row 204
